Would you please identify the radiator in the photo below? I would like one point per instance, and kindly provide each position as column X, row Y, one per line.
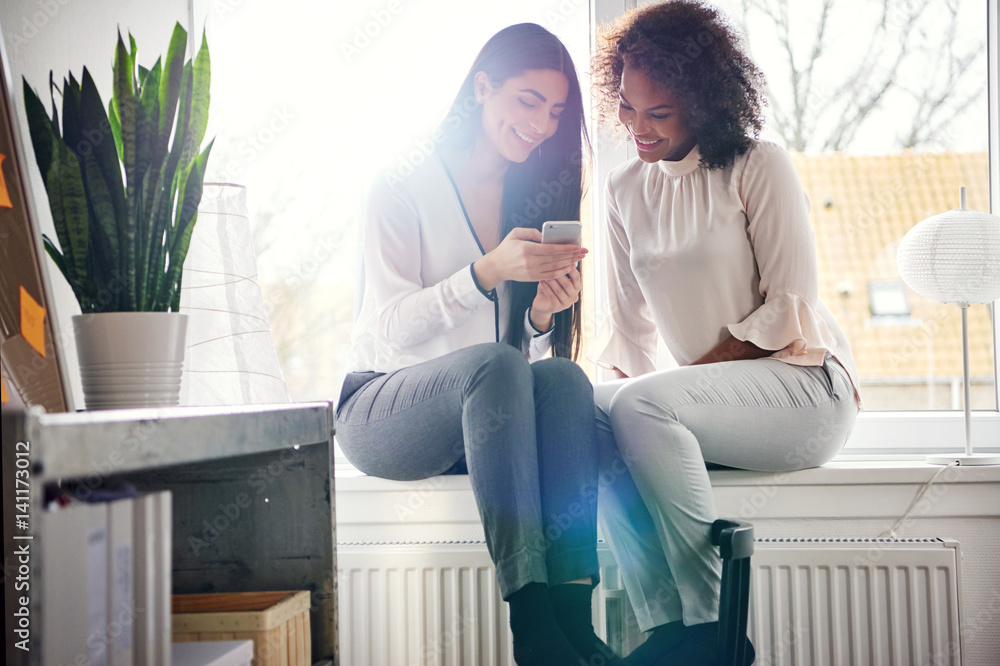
column 813, row 603
column 421, row 604
column 818, row 602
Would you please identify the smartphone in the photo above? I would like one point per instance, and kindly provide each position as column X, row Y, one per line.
column 567, row 232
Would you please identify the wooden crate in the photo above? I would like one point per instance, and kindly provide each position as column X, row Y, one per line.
column 277, row 622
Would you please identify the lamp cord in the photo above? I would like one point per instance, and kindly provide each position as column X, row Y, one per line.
column 891, row 532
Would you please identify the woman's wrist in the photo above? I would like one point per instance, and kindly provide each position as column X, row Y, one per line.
column 484, row 274
column 540, row 321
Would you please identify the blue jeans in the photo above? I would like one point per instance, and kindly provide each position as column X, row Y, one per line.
column 657, row 431
column 526, row 433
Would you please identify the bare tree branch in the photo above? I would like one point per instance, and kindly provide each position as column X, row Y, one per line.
column 931, row 103
column 827, row 113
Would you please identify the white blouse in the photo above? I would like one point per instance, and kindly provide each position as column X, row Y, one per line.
column 420, row 299
column 695, row 255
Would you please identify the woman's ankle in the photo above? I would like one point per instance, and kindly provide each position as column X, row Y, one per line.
column 538, row 638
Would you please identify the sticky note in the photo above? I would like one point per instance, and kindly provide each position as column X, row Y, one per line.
column 5, row 201
column 32, row 322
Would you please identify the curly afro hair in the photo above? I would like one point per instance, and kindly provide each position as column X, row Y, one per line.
column 691, row 49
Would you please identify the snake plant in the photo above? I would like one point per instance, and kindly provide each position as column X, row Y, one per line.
column 124, row 182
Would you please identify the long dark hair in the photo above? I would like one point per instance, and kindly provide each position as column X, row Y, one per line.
column 549, row 184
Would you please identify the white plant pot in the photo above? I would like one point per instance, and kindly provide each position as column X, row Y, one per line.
column 130, row 359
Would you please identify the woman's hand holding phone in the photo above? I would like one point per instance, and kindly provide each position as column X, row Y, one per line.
column 523, row 257
column 555, row 296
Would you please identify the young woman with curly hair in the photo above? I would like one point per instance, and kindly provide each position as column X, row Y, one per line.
column 708, row 246
column 461, row 305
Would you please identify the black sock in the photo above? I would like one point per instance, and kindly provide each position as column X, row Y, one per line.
column 659, row 646
column 538, row 641
column 700, row 645
column 571, row 603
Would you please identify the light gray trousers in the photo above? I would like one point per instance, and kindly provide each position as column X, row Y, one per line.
column 655, row 434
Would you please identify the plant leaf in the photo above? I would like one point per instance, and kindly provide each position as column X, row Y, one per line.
column 148, row 164
column 116, row 127
column 200, row 98
column 55, row 111
column 60, row 172
column 125, row 103
column 149, row 114
column 187, row 215
column 39, row 128
column 102, row 206
column 99, row 138
column 72, row 132
column 103, row 179
column 102, row 271
column 183, row 122
column 68, row 202
column 170, row 83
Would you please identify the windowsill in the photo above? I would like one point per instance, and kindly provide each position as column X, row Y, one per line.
column 853, row 487
column 859, row 469
column 846, row 469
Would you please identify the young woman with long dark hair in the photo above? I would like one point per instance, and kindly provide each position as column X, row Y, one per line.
column 461, row 304
column 709, row 248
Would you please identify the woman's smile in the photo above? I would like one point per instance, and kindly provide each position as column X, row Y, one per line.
column 524, row 137
column 645, row 144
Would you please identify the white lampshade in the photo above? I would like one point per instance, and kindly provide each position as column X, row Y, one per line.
column 953, row 257
column 231, row 359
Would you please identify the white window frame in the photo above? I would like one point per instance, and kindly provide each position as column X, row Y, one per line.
column 882, row 432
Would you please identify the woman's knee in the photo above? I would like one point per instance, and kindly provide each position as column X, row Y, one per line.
column 499, row 367
column 563, row 376
column 634, row 415
column 634, row 399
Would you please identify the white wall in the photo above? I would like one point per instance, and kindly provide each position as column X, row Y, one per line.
column 63, row 36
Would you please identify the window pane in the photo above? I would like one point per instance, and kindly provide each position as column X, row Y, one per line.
column 884, row 107
column 309, row 101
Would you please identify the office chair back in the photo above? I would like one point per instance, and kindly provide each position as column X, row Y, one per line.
column 735, row 542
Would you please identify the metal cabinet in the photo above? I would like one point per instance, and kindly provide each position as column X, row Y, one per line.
column 253, row 496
